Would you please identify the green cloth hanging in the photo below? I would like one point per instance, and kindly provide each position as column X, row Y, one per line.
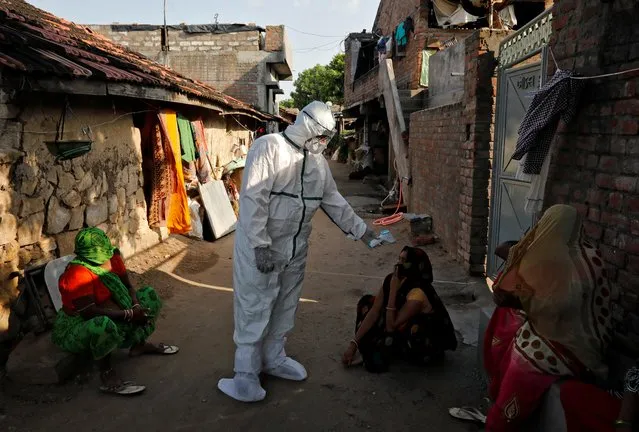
column 189, row 152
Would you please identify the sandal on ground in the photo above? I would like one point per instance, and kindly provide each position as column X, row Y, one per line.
column 161, row 349
column 468, row 414
column 126, row 388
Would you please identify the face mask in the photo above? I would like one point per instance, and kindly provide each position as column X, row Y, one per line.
column 316, row 145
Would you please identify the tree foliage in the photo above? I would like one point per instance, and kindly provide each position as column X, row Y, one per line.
column 323, row 83
column 287, row 103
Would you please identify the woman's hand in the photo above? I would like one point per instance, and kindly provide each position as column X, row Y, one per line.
column 349, row 354
column 396, row 281
column 140, row 315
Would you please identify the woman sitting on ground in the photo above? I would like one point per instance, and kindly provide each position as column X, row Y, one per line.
column 553, row 320
column 103, row 312
column 406, row 319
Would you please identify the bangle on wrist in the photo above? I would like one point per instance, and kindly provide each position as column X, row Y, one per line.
column 622, row 423
column 390, row 308
column 354, row 342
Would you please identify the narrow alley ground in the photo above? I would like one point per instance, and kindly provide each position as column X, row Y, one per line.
column 195, row 279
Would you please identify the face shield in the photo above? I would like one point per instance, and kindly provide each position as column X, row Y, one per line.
column 319, row 143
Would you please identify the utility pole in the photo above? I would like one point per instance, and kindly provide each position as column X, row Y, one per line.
column 165, row 39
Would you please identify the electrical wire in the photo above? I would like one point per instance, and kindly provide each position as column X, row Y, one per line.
column 316, row 48
column 91, row 126
column 312, row 34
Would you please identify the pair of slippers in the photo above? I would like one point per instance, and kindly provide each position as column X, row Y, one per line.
column 129, row 388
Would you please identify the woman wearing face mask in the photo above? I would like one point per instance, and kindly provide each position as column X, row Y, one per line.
column 406, row 319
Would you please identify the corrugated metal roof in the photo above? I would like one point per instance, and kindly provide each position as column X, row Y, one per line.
column 35, row 42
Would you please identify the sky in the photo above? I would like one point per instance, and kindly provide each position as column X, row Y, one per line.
column 329, row 21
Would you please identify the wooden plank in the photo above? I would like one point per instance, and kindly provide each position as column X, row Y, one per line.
column 80, row 87
column 395, row 121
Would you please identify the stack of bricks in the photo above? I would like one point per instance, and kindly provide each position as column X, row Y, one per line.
column 596, row 166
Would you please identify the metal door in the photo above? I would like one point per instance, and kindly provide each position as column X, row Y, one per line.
column 515, row 91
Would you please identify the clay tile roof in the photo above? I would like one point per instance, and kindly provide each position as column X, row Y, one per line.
column 35, row 42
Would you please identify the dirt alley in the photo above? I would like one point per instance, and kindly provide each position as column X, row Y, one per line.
column 195, row 279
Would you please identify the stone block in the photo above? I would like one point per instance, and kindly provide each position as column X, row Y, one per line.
column 8, row 228
column 121, row 194
column 45, row 190
column 8, row 111
column 66, row 182
column 78, row 171
column 66, row 242
column 24, row 257
column 113, row 205
column 72, row 199
column 77, row 218
column 6, row 201
column 30, row 229
column 57, row 217
column 47, row 244
column 9, row 252
column 132, row 185
column 105, row 185
column 31, row 206
column 97, row 213
column 52, row 176
column 139, row 197
column 12, row 134
column 86, row 182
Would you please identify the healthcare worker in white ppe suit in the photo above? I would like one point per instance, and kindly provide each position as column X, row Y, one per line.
column 286, row 180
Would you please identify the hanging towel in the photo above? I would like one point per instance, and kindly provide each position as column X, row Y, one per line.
column 189, row 153
column 556, row 99
column 400, row 36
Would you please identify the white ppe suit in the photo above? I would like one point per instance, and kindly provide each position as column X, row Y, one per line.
column 284, row 185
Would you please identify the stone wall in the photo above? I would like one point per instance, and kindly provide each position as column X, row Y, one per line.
column 461, row 135
column 45, row 202
column 596, row 167
column 231, row 62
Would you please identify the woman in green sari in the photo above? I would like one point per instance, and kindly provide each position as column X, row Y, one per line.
column 102, row 312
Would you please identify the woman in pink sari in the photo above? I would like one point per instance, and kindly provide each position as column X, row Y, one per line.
column 554, row 320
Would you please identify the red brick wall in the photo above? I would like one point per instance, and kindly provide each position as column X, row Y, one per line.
column 435, row 155
column 274, row 40
column 364, row 89
column 460, row 135
column 596, row 167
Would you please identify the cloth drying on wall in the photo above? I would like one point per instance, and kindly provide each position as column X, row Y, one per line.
column 557, row 99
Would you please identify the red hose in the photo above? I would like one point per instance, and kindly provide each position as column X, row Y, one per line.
column 395, row 217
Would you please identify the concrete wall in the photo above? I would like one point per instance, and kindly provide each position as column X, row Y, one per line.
column 596, row 167
column 233, row 63
column 446, row 75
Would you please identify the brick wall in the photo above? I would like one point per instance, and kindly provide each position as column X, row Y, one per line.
column 596, row 166
column 407, row 68
column 435, row 155
column 457, row 195
column 231, row 62
column 274, row 38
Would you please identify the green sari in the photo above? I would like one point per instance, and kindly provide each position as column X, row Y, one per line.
column 99, row 336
